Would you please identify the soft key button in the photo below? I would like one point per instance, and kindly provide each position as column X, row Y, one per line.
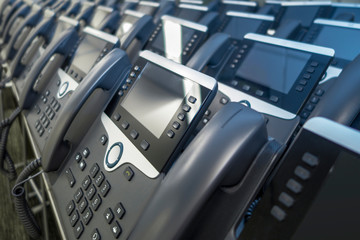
column 114, row 154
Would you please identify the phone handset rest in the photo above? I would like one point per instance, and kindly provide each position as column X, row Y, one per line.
column 210, row 52
column 219, row 155
column 98, row 86
column 61, row 46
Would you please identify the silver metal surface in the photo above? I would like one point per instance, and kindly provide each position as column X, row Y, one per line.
column 250, row 15
column 242, row 3
column 185, row 23
column 102, row 35
column 337, row 23
column 194, row 7
column 134, row 13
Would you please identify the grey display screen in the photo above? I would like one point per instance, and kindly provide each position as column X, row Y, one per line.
column 98, row 17
column 87, row 53
column 345, row 41
column 186, row 34
column 274, row 67
column 155, row 97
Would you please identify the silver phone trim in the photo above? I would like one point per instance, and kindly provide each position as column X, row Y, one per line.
column 102, row 35
column 241, row 3
column 194, row 7
column 336, row 23
column 185, row 23
column 250, row 15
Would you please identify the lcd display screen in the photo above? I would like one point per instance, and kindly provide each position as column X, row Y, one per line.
column 155, row 97
column 189, row 14
column 334, row 214
column 98, row 17
column 304, row 14
column 87, row 53
column 238, row 27
column 274, row 67
column 125, row 25
column 345, row 41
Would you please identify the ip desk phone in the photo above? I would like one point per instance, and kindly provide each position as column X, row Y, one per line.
column 104, row 19
column 45, row 95
column 104, row 184
column 314, row 193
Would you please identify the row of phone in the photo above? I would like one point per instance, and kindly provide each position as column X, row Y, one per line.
column 112, row 134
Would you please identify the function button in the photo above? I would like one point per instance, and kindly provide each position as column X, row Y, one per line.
column 310, row 159
column 132, row 74
column 99, row 178
column 302, row 173
column 82, row 165
column 51, row 115
column 39, row 127
column 224, row 100
column 95, row 235
column 278, row 213
column 294, row 186
column 307, row 76
column 41, row 131
column 43, row 117
column 310, row 107
column 116, row 229
column 70, row 177
column 319, row 92
column 207, row 112
column 286, row 199
column 176, row 125
column 44, row 100
column 125, row 125
column 234, row 82
column 57, row 107
column 108, row 215
column 305, row 115
column 117, row 116
column 274, row 99
column 114, row 154
column 246, row 87
column 192, row 99
column 124, row 87
column 78, row 229
column 86, row 182
column 37, row 109
column 103, row 139
column 310, row 69
column 74, row 218
column 105, row 188
column 96, row 202
column 144, row 145
column 53, row 101
column 128, row 81
column 87, row 216
column 47, row 109
column 260, row 93
column 47, row 123
column 299, row 88
column 134, row 134
column 181, row 116
column 170, row 134
column 128, row 173
column 205, row 121
column 78, row 157
column 70, row 207
column 91, row 192
column 303, row 82
column 121, row 93
column 136, row 68
column 43, row 120
column 186, row 108
column 86, row 152
column 94, row 170
column 314, row 64
column 82, row 205
column 314, row 100
column 78, row 195
column 119, row 210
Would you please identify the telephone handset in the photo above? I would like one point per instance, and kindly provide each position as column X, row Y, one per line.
column 15, row 12
column 341, row 102
column 84, row 105
column 217, row 163
column 38, row 36
column 58, row 48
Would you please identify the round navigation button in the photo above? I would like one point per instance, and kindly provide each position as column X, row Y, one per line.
column 114, row 154
column 63, row 88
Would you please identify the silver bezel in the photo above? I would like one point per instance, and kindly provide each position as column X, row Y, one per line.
column 69, row 20
column 337, row 23
column 192, row 1
column 242, row 3
column 185, row 23
column 346, row 5
column 303, row 3
column 195, row 76
column 250, row 15
column 291, row 44
column 103, row 35
column 134, row 13
column 107, row 9
column 194, row 7
column 344, row 136
column 151, row 4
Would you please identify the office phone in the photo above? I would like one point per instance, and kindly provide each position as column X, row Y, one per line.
column 49, row 92
column 314, row 193
column 64, row 36
column 177, row 39
column 7, row 16
column 104, row 19
column 129, row 148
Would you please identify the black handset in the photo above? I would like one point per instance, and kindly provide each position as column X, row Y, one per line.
column 59, row 48
column 218, row 157
column 38, row 36
column 341, row 102
column 93, row 93
column 18, row 10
